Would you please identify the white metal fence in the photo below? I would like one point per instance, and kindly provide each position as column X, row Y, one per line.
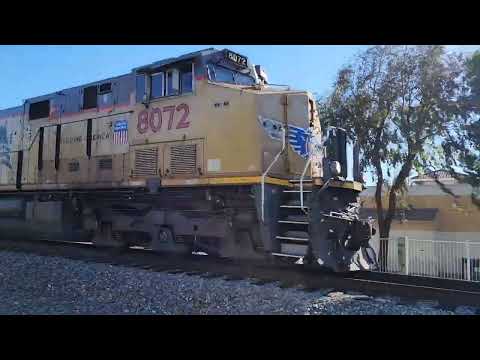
column 458, row 260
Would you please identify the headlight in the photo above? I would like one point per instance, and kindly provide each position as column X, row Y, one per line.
column 335, row 168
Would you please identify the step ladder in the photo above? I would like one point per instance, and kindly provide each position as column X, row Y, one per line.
column 293, row 222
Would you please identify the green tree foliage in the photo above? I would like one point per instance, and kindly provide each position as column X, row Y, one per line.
column 396, row 101
column 462, row 145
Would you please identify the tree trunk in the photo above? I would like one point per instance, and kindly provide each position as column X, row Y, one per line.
column 382, row 230
column 385, row 223
column 384, row 233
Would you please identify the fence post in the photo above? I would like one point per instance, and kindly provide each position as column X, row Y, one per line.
column 468, row 259
column 406, row 255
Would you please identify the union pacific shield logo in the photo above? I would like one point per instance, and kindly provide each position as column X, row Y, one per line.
column 298, row 139
column 120, row 132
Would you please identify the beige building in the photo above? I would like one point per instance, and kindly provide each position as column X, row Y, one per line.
column 442, row 229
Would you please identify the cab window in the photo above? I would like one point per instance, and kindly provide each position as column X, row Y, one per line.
column 187, row 82
column 170, row 82
column 141, row 87
column 242, row 79
column 221, row 74
column 173, row 82
column 157, row 88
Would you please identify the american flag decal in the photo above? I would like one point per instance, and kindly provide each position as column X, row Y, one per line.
column 298, row 139
column 120, row 132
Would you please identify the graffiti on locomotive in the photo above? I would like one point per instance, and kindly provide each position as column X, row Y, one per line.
column 164, row 118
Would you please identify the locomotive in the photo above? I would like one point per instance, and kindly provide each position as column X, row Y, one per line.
column 194, row 154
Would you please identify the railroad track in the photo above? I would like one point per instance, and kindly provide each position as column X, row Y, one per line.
column 448, row 293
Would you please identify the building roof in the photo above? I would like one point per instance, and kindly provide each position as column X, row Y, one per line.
column 428, row 189
column 420, row 214
column 440, row 174
column 443, row 176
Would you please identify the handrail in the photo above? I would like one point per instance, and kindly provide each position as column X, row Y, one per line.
column 307, row 164
column 301, row 180
column 268, row 169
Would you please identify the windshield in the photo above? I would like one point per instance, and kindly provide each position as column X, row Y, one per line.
column 221, row 74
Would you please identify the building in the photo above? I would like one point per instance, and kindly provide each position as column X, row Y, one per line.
column 441, row 226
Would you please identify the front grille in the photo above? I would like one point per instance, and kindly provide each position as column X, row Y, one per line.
column 104, row 164
column 146, row 162
column 183, row 159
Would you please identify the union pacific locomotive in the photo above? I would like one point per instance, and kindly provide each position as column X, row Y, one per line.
column 194, row 154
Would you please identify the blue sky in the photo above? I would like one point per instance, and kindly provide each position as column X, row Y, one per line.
column 28, row 71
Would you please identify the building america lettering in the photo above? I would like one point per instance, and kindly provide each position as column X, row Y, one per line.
column 79, row 139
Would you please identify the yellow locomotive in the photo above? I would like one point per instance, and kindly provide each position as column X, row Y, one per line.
column 190, row 154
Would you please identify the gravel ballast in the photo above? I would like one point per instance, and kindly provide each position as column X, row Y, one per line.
column 32, row 284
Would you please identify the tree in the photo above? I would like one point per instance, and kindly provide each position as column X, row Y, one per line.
column 462, row 143
column 395, row 101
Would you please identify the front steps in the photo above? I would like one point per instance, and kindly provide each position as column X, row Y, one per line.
column 294, row 221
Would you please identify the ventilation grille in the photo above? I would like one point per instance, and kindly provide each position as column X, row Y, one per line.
column 104, row 164
column 183, row 159
column 73, row 166
column 146, row 162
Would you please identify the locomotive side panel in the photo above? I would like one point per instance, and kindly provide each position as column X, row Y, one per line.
column 8, row 170
column 30, row 146
column 30, row 158
column 73, row 161
column 109, row 149
column 233, row 137
column 76, row 160
column 10, row 144
column 39, row 157
column 274, row 112
column 47, row 173
column 298, row 114
column 271, row 117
